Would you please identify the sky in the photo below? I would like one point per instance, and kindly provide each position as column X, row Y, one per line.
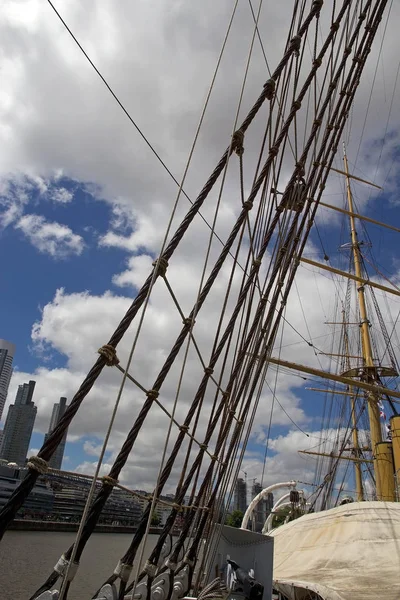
column 84, row 206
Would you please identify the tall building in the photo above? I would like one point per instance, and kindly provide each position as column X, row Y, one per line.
column 240, row 495
column 58, row 411
column 19, row 425
column 263, row 508
column 7, row 351
column 270, row 503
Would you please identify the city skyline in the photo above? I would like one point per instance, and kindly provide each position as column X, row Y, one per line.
column 12, row 445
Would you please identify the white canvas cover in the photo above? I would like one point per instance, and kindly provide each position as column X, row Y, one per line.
column 351, row 552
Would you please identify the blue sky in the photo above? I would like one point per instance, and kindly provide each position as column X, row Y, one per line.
column 32, row 277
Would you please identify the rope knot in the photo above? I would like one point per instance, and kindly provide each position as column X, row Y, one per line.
column 257, row 262
column 184, row 428
column 317, row 5
column 188, row 561
column 269, row 87
column 153, row 394
column 295, row 43
column 208, row 371
column 296, row 105
column 161, row 266
column 188, row 321
column 318, row 122
column 38, row 464
column 237, row 142
column 203, row 446
column 107, row 480
column 317, row 62
column 274, row 150
column 109, row 354
column 248, row 205
column 335, row 26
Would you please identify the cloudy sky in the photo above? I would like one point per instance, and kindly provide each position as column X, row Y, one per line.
column 84, row 206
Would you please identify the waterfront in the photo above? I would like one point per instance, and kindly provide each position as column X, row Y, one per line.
column 27, row 558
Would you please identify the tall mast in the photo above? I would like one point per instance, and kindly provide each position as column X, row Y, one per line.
column 352, row 396
column 369, row 372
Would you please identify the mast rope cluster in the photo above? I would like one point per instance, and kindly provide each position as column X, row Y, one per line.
column 249, row 322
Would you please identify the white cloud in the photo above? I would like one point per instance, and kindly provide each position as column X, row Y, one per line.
column 91, row 448
column 51, row 238
column 61, row 195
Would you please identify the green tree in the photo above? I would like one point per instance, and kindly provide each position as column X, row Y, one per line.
column 155, row 520
column 235, row 518
column 282, row 513
column 280, row 516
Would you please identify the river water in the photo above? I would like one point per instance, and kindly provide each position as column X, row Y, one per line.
column 28, row 557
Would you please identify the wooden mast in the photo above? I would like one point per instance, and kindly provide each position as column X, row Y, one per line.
column 353, row 398
column 385, row 489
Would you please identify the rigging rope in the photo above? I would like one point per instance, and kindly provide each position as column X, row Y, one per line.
column 235, row 411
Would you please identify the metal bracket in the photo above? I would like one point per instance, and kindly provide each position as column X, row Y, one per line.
column 48, row 595
column 107, row 592
column 181, row 583
column 159, row 590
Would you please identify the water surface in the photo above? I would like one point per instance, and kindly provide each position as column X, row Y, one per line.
column 28, row 557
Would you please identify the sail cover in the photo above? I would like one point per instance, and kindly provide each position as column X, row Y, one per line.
column 351, row 552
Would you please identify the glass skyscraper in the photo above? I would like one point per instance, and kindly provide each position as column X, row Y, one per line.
column 19, row 425
column 7, row 351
